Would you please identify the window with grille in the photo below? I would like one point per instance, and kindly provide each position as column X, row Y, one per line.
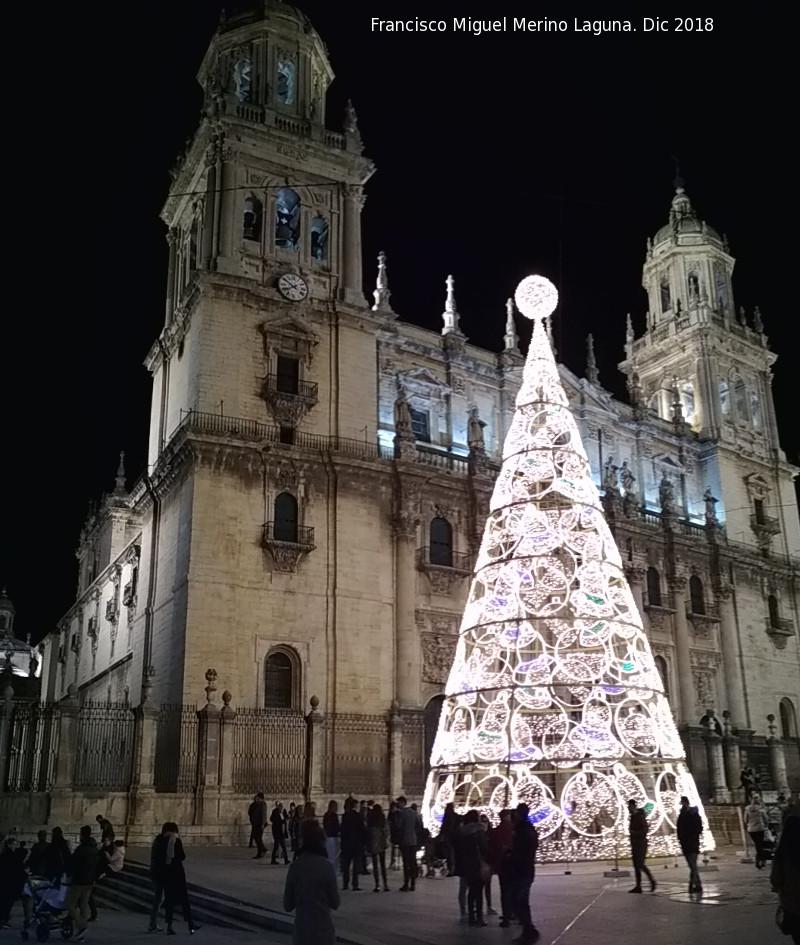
column 279, row 681
column 440, row 536
column 285, row 521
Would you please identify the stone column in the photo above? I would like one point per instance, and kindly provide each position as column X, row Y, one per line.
column 395, row 751
column 315, row 749
column 777, row 758
column 734, row 682
column 408, row 661
column 170, row 305
column 207, row 249
column 685, row 680
column 716, row 768
column 208, row 744
column 62, row 793
column 733, row 760
column 6, row 713
column 352, row 277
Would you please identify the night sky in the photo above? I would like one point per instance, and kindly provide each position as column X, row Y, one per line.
column 497, row 156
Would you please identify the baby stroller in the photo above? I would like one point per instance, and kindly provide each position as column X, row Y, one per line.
column 47, row 910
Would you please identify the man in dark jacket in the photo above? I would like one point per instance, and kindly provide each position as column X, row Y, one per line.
column 352, row 838
column 407, row 835
column 638, row 836
column 38, row 855
column 522, row 869
column 278, row 820
column 257, row 812
column 690, row 826
column 82, row 871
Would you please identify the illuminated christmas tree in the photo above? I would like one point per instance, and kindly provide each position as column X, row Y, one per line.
column 554, row 698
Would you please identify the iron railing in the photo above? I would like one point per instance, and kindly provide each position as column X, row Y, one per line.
column 33, row 746
column 176, row 749
column 104, row 755
column 304, row 390
column 440, row 558
column 281, row 531
column 269, row 752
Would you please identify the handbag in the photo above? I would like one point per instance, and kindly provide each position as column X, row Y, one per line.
column 485, row 871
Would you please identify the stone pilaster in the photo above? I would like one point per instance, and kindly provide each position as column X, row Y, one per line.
column 716, row 768
column 731, row 662
column 352, row 290
column 170, row 303
column 408, row 660
column 6, row 714
column 62, row 792
column 733, row 759
column 395, row 751
column 141, row 809
column 682, row 652
column 315, row 749
column 777, row 758
column 227, row 721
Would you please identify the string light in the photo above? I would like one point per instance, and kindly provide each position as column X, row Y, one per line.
column 554, row 698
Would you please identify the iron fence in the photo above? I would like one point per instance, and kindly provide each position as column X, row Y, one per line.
column 269, row 752
column 357, row 754
column 176, row 749
column 33, row 746
column 104, row 753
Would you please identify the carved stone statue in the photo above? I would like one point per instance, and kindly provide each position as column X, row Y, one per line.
column 627, row 478
column 402, row 418
column 711, row 501
column 666, row 496
column 610, row 474
column 475, row 427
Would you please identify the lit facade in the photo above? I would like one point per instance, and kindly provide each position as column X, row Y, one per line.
column 321, row 470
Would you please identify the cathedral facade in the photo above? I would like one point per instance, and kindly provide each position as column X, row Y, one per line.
column 320, row 470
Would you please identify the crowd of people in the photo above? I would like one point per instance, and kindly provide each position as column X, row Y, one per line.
column 51, row 866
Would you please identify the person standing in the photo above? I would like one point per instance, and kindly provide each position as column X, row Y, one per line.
column 12, row 879
column 785, row 877
column 82, row 872
column 278, row 820
column 353, row 840
column 57, row 856
column 522, row 868
column 311, row 889
column 393, row 819
column 330, row 825
column 690, row 827
column 407, row 836
column 257, row 812
column 475, row 853
column 748, row 779
column 500, row 838
column 755, row 821
column 638, row 829
column 378, row 831
column 449, row 825
column 167, row 861
column 37, row 856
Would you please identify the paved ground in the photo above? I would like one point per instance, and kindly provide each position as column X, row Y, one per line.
column 583, row 908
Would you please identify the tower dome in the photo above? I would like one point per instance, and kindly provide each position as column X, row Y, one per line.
column 684, row 225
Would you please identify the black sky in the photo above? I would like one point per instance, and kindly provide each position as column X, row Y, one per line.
column 497, row 155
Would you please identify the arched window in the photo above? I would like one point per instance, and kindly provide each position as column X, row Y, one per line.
column 740, row 399
column 724, row 398
column 281, row 680
column 666, row 299
column 242, row 79
column 284, row 89
column 788, row 719
column 694, row 286
column 285, row 525
column 687, row 396
column 696, row 595
column 287, row 218
column 441, row 542
column 319, row 238
column 774, row 613
column 653, row 587
column 251, row 219
column 661, row 666
column 431, row 724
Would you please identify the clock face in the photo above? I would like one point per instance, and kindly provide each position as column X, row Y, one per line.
column 292, row 287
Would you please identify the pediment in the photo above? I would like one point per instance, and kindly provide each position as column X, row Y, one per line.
column 669, row 463
column 423, row 380
column 288, row 325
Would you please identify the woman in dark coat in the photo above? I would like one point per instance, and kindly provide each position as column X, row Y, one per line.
column 56, row 856
column 475, row 859
column 166, row 865
column 378, row 830
column 311, row 889
column 12, row 878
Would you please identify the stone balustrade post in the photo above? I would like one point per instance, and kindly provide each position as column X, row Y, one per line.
column 226, row 736
column 62, row 791
column 6, row 718
column 716, row 768
column 315, row 749
column 777, row 758
column 395, row 751
column 208, row 745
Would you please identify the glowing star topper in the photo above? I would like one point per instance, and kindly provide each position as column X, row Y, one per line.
column 536, row 297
